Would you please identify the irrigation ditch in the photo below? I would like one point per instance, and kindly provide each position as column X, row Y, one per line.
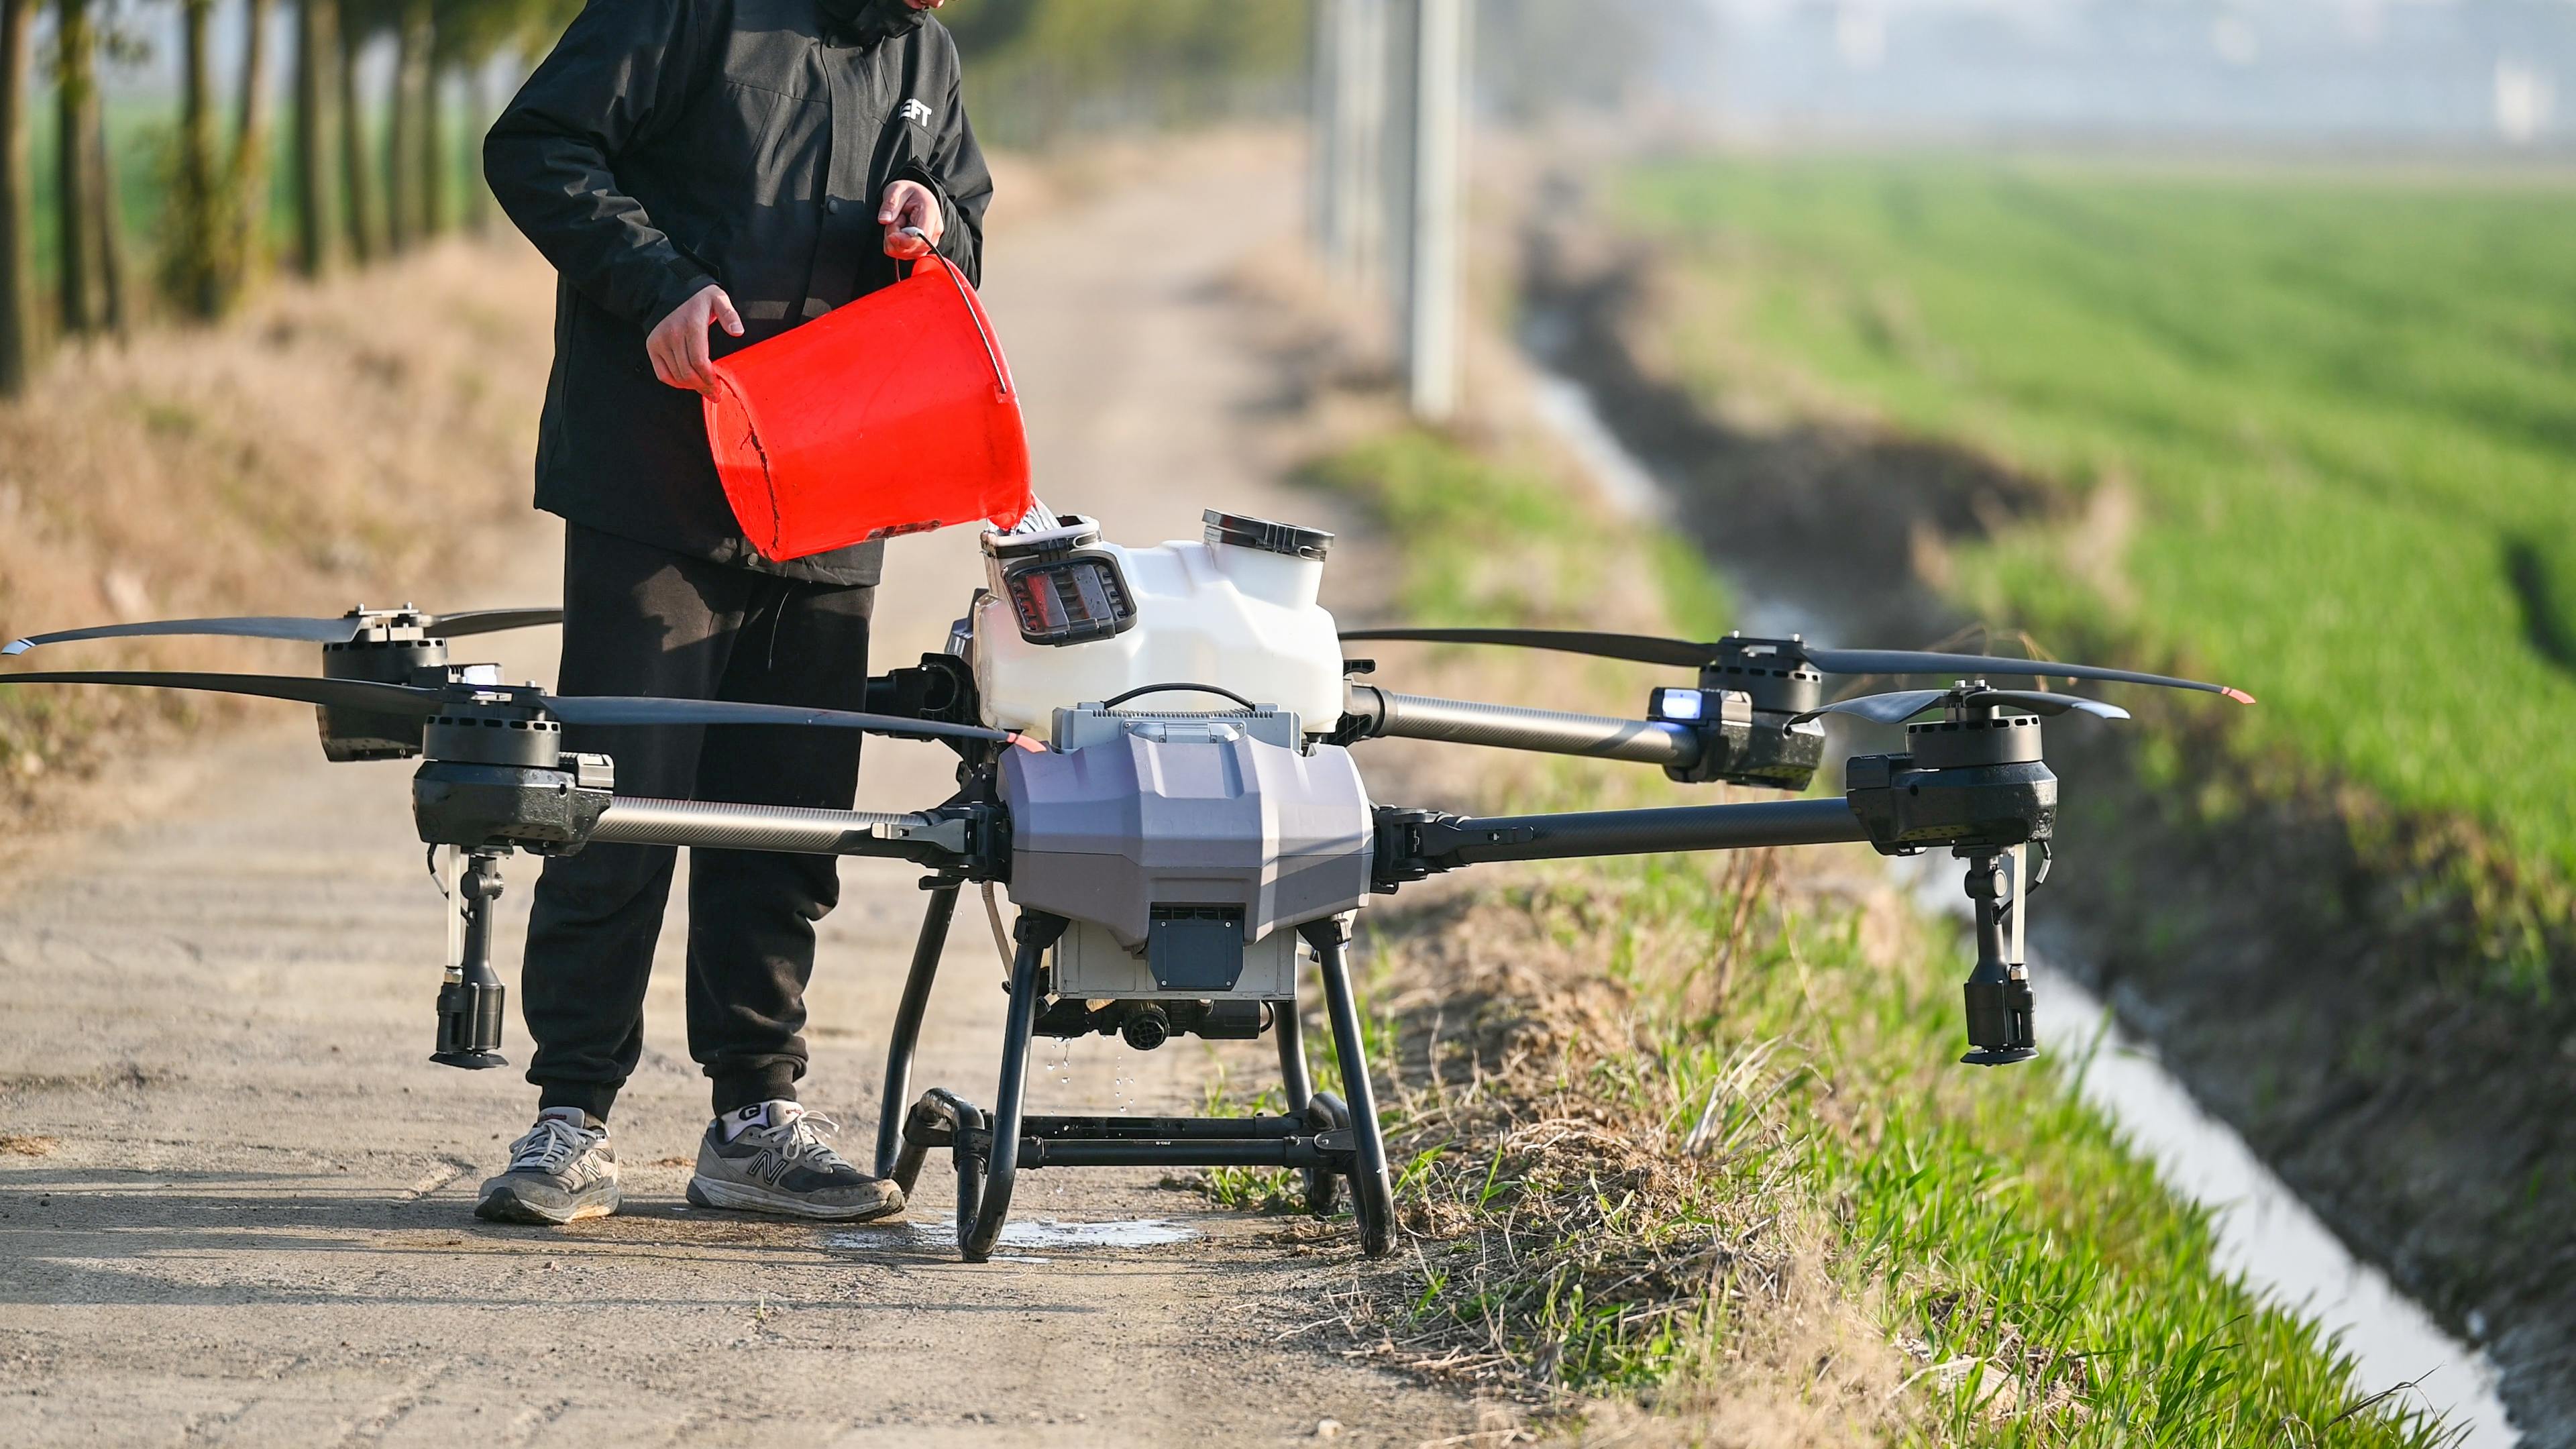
column 2340, row 1066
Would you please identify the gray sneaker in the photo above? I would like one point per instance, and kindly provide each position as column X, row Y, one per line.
column 778, row 1163
column 561, row 1172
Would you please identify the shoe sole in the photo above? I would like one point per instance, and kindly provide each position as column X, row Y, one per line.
column 509, row 1207
column 707, row 1192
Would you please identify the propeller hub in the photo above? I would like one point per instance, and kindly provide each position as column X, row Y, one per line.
column 1776, row 672
column 1982, row 737
column 482, row 726
column 378, row 627
column 378, row 656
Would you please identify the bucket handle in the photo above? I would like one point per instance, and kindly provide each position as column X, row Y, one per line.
column 975, row 314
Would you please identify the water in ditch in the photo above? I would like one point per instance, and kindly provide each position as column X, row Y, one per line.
column 2264, row 1231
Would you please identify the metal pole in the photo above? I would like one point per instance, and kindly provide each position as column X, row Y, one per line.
column 1323, row 161
column 1434, row 292
column 1359, row 125
column 1393, row 242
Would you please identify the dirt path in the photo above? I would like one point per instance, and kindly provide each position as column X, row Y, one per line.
column 236, row 1204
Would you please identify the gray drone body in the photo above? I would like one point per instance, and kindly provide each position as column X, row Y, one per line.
column 1186, row 849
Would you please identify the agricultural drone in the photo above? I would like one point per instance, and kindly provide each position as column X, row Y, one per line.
column 1155, row 758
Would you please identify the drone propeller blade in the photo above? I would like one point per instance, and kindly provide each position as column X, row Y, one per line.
column 335, row 693
column 308, row 631
column 1683, row 653
column 298, row 630
column 1902, row 705
column 2048, row 704
column 1904, row 661
column 489, row 621
column 585, row 709
column 1639, row 648
column 1887, row 709
column 631, row 710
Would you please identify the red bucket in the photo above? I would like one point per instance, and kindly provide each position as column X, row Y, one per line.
column 894, row 414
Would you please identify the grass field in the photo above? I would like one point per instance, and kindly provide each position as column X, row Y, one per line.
column 1695, row 1084
column 2339, row 415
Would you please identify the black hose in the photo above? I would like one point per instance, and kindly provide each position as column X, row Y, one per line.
column 1145, row 689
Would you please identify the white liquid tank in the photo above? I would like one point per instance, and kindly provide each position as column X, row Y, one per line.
column 1069, row 620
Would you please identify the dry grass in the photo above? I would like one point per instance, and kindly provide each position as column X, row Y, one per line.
column 332, row 444
column 1566, row 1244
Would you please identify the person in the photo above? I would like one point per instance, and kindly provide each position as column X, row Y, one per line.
column 705, row 174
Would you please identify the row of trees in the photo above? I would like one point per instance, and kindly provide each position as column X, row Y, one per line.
column 356, row 191
column 348, row 201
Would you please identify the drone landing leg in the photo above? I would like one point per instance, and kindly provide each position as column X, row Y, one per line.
column 907, row 1023
column 1296, row 1084
column 1998, row 990
column 975, row 1238
column 469, row 1001
column 1321, row 1111
column 1372, row 1197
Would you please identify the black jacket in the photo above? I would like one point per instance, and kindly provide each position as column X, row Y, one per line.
column 666, row 144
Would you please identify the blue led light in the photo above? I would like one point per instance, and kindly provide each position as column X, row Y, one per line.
column 1683, row 705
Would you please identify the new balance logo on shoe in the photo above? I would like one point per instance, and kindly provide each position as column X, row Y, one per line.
column 917, row 113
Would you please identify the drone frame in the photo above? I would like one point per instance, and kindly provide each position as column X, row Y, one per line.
column 494, row 779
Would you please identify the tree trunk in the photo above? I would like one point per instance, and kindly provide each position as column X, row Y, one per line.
column 75, row 94
column 404, row 145
column 109, row 226
column 357, row 173
column 433, row 151
column 479, row 210
column 317, row 49
column 247, row 176
column 194, row 265
column 17, row 204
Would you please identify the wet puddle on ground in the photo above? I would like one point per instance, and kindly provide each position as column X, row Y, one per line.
column 1022, row 1241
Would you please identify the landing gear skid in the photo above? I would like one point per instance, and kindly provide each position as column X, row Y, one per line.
column 1328, row 1139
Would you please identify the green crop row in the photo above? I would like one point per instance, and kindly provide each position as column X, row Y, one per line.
column 2338, row 417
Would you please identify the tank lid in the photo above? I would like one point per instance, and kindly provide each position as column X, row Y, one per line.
column 1073, row 532
column 1268, row 537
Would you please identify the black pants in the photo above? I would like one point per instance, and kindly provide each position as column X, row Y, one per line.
column 641, row 620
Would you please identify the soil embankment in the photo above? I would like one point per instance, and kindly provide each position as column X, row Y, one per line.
column 236, row 1201
column 2309, row 964
column 334, row 444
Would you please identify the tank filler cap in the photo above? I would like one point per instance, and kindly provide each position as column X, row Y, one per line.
column 1260, row 533
column 1074, row 532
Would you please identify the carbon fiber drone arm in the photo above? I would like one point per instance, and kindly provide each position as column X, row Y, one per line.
column 1890, row 803
column 951, row 836
column 1413, row 844
column 1377, row 713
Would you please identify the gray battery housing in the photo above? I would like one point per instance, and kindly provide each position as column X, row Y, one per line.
column 1190, row 840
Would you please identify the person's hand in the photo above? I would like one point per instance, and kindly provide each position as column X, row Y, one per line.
column 678, row 345
column 910, row 207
